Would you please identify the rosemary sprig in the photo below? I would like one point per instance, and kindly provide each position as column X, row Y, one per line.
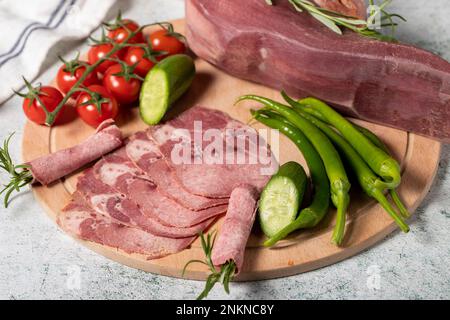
column 223, row 276
column 335, row 20
column 20, row 176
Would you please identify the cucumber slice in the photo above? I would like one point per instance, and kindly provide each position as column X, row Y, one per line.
column 281, row 198
column 163, row 85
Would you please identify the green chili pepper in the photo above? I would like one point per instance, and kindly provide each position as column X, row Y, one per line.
column 377, row 142
column 312, row 215
column 339, row 182
column 367, row 179
column 378, row 160
column 394, row 195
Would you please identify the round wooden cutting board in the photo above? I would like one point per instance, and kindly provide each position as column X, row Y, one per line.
column 304, row 251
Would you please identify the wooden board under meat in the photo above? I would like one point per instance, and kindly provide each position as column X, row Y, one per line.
column 304, row 251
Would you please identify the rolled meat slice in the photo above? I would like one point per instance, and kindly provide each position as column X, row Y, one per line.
column 51, row 167
column 236, row 228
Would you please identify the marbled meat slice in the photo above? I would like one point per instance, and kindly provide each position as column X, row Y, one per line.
column 213, row 168
column 81, row 221
column 108, row 201
column 120, row 173
column 146, row 155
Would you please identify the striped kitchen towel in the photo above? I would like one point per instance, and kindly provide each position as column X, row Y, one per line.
column 30, row 28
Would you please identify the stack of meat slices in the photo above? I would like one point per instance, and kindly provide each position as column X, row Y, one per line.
column 139, row 200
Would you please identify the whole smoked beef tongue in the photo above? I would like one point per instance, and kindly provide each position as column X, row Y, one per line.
column 388, row 83
column 51, row 167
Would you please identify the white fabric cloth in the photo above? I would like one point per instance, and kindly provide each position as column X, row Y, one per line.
column 30, row 28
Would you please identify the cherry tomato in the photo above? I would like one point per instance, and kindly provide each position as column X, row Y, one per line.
column 89, row 113
column 98, row 51
column 119, row 35
column 50, row 98
column 124, row 91
column 136, row 55
column 161, row 40
column 66, row 80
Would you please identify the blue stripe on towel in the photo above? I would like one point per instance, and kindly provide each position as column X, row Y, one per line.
column 27, row 28
column 41, row 27
column 19, row 38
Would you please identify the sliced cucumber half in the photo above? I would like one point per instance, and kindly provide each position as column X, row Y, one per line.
column 163, row 85
column 281, row 198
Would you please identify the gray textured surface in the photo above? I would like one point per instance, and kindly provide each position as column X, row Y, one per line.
column 37, row 261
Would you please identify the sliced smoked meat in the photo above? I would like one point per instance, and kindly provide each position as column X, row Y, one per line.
column 145, row 155
column 118, row 173
column 213, row 168
column 236, row 228
column 54, row 166
column 81, row 221
column 118, row 203
column 120, row 208
column 164, row 209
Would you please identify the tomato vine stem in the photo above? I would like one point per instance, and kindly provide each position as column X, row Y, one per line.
column 51, row 116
